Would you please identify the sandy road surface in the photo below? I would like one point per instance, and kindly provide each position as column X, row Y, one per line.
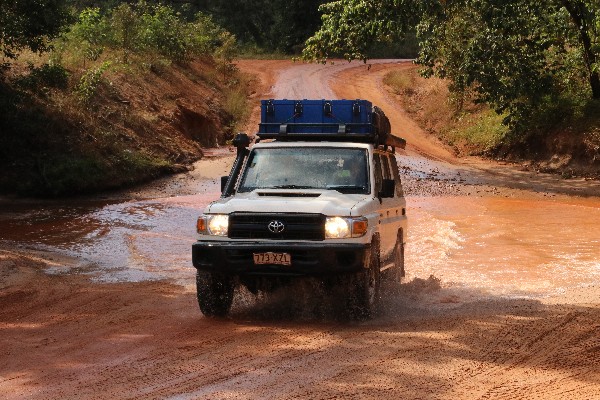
column 500, row 302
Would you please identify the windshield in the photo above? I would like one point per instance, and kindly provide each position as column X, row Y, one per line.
column 341, row 169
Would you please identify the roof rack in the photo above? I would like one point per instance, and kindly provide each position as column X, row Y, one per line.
column 326, row 120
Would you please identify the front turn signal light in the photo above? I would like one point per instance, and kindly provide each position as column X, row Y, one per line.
column 201, row 224
column 359, row 227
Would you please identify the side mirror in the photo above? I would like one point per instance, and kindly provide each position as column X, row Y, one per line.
column 224, row 180
column 388, row 187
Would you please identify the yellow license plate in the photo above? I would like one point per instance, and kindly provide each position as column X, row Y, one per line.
column 272, row 258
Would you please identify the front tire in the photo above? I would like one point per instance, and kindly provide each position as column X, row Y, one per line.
column 366, row 286
column 214, row 293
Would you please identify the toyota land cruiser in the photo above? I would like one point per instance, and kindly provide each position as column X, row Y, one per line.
column 318, row 195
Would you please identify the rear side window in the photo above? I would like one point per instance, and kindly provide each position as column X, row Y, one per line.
column 396, row 174
column 377, row 171
column 385, row 167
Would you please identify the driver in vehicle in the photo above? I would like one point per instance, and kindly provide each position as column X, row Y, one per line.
column 352, row 173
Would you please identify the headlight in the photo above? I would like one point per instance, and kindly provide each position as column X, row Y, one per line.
column 216, row 224
column 344, row 227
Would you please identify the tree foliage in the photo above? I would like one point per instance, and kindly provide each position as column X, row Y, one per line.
column 272, row 25
column 351, row 27
column 514, row 55
column 147, row 28
column 29, row 24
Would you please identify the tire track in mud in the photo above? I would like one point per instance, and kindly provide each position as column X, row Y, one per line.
column 467, row 352
column 235, row 372
column 530, row 361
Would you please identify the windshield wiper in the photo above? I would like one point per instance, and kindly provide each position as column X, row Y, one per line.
column 290, row 187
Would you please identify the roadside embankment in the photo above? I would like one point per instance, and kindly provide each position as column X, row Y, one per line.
column 121, row 95
column 565, row 142
column 139, row 125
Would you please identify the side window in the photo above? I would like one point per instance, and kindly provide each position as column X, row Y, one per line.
column 396, row 173
column 377, row 172
column 385, row 167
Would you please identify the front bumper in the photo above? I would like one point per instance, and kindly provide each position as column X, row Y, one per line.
column 307, row 259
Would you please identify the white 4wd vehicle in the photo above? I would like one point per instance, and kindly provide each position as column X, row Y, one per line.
column 327, row 205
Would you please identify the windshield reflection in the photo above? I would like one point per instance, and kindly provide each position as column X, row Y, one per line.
column 341, row 169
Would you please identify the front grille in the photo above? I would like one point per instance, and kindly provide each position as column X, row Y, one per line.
column 296, row 226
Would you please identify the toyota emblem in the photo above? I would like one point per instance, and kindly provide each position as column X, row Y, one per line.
column 276, row 226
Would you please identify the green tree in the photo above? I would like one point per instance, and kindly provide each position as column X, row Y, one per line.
column 351, row 27
column 585, row 15
column 29, row 24
column 271, row 25
column 154, row 30
column 274, row 25
column 512, row 54
column 90, row 33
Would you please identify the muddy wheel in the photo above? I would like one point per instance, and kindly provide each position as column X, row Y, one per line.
column 398, row 269
column 366, row 287
column 215, row 293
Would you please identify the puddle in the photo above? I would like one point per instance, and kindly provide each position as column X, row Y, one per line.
column 130, row 241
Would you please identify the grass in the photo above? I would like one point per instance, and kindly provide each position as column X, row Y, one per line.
column 236, row 100
column 53, row 151
column 562, row 136
column 478, row 133
column 236, row 103
column 81, row 173
column 401, row 82
column 253, row 52
column 470, row 128
column 100, row 112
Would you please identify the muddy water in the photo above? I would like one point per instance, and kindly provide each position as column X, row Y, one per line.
column 482, row 245
column 127, row 241
column 511, row 247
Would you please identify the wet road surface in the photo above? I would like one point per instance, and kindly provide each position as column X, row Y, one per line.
column 500, row 299
column 513, row 246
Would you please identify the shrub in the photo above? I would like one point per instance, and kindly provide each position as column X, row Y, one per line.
column 91, row 33
column 65, row 174
column 89, row 82
column 147, row 29
column 125, row 25
column 479, row 133
column 163, row 32
column 46, row 76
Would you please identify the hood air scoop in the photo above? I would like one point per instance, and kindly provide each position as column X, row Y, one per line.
column 288, row 194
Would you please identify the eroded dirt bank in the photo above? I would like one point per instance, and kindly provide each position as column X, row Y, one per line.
column 501, row 298
column 139, row 124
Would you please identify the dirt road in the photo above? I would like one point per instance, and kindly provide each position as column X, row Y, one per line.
column 501, row 300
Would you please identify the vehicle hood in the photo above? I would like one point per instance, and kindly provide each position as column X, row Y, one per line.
column 327, row 202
